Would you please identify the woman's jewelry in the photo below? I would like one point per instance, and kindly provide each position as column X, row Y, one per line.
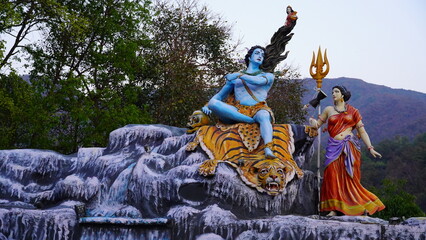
column 344, row 111
column 360, row 126
column 370, row 147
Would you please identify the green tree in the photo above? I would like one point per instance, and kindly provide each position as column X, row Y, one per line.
column 408, row 161
column 20, row 18
column 285, row 98
column 191, row 54
column 22, row 116
column 103, row 64
column 373, row 169
column 398, row 202
column 402, row 159
column 86, row 68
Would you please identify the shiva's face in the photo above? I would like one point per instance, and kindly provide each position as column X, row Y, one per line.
column 257, row 56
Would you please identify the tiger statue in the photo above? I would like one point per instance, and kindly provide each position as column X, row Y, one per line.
column 239, row 145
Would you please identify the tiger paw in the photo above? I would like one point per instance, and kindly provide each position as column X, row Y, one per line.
column 191, row 146
column 311, row 131
column 300, row 173
column 208, row 167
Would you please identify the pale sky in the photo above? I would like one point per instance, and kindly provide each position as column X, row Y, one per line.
column 380, row 41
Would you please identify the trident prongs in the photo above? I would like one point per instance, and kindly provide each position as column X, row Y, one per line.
column 319, row 65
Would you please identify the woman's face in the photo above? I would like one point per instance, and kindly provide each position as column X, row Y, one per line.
column 288, row 10
column 337, row 94
column 257, row 56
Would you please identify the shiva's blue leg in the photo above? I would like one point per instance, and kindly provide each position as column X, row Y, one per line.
column 228, row 113
column 264, row 119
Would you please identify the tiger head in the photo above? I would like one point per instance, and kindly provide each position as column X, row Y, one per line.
column 267, row 175
column 197, row 120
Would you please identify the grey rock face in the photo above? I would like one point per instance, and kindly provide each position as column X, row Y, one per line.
column 145, row 172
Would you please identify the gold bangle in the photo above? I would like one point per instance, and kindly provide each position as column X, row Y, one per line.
column 370, row 147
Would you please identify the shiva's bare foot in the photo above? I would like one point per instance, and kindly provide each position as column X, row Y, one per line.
column 269, row 154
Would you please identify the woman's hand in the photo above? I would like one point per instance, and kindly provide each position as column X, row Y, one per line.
column 313, row 122
column 375, row 153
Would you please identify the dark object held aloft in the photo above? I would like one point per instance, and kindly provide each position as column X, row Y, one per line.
column 320, row 95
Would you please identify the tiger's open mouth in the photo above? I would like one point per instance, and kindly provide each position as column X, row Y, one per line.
column 273, row 187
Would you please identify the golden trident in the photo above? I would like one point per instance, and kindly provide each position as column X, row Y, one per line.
column 318, row 76
column 319, row 65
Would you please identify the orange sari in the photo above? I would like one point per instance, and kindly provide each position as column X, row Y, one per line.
column 340, row 191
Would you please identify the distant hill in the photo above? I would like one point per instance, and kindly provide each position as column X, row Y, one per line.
column 386, row 112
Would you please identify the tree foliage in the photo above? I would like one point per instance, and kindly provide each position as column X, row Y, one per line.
column 84, row 69
column 22, row 115
column 18, row 19
column 87, row 68
column 402, row 160
column 191, row 53
column 104, row 64
column 285, row 98
column 398, row 202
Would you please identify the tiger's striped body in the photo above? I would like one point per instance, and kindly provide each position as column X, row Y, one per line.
column 239, row 146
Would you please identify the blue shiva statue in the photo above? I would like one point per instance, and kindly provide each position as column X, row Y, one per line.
column 250, row 88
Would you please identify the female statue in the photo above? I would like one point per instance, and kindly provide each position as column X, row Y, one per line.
column 291, row 16
column 341, row 188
